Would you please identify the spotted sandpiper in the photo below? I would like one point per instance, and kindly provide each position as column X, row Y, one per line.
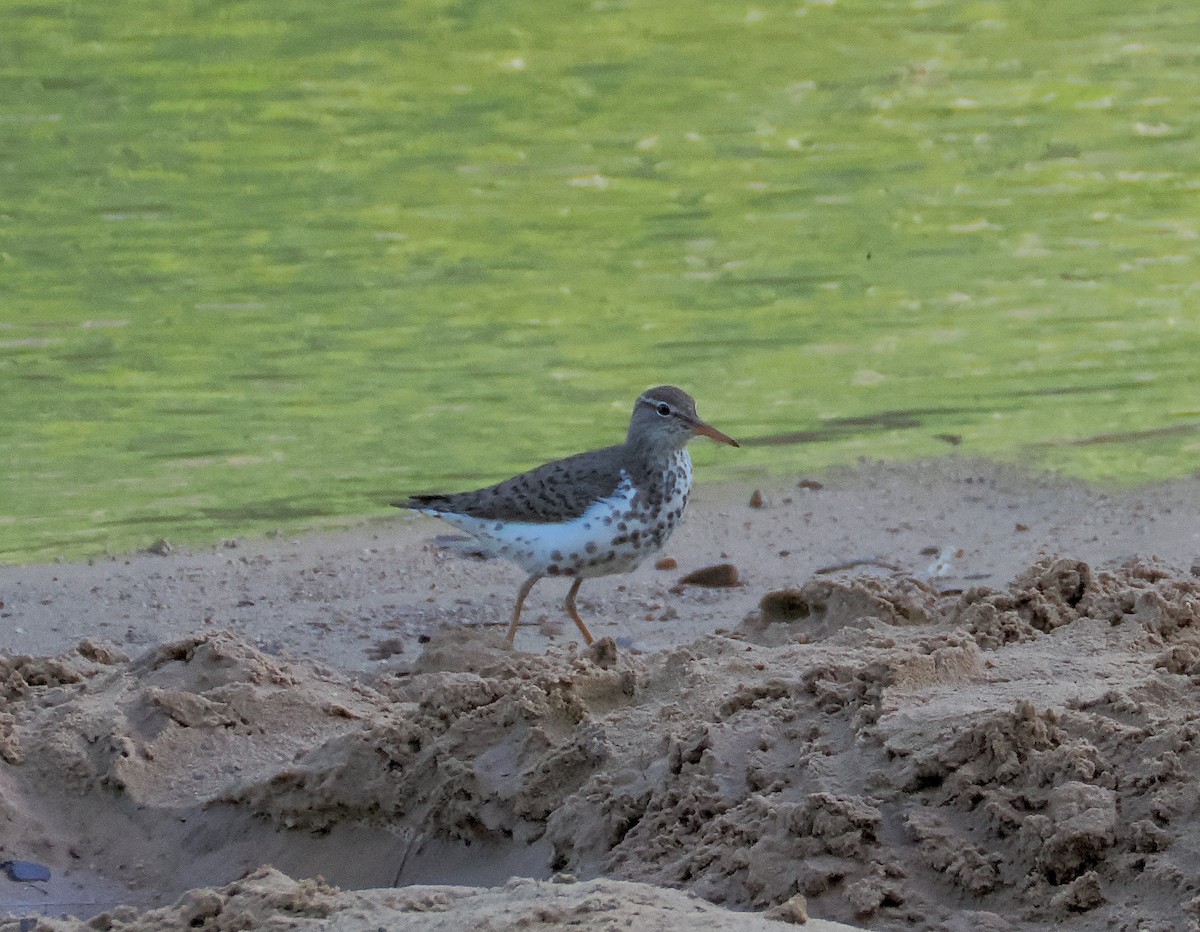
column 591, row 514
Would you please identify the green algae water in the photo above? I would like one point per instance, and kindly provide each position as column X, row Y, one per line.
column 269, row 264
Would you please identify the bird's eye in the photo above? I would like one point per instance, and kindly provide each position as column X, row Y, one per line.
column 663, row 409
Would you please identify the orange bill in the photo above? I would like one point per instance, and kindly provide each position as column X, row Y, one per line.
column 708, row 430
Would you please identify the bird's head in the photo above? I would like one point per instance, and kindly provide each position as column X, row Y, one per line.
column 666, row 417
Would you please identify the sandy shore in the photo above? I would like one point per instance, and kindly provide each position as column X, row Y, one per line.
column 968, row 701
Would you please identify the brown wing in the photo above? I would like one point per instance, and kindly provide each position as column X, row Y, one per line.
column 557, row 491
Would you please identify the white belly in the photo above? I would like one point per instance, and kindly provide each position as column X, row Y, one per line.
column 613, row 536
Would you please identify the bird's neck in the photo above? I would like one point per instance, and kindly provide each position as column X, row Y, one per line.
column 651, row 460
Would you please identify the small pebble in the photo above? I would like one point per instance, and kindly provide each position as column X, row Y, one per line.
column 25, row 871
column 719, row 576
column 667, row 563
column 756, row 499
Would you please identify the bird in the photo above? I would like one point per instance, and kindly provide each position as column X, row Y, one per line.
column 591, row 514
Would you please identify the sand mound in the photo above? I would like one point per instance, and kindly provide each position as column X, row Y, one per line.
column 268, row 899
column 994, row 758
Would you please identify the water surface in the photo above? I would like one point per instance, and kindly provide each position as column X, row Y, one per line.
column 267, row 265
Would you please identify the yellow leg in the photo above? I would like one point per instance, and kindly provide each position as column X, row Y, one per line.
column 574, row 612
column 516, row 618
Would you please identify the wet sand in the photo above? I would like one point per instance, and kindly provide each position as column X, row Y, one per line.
column 949, row 695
